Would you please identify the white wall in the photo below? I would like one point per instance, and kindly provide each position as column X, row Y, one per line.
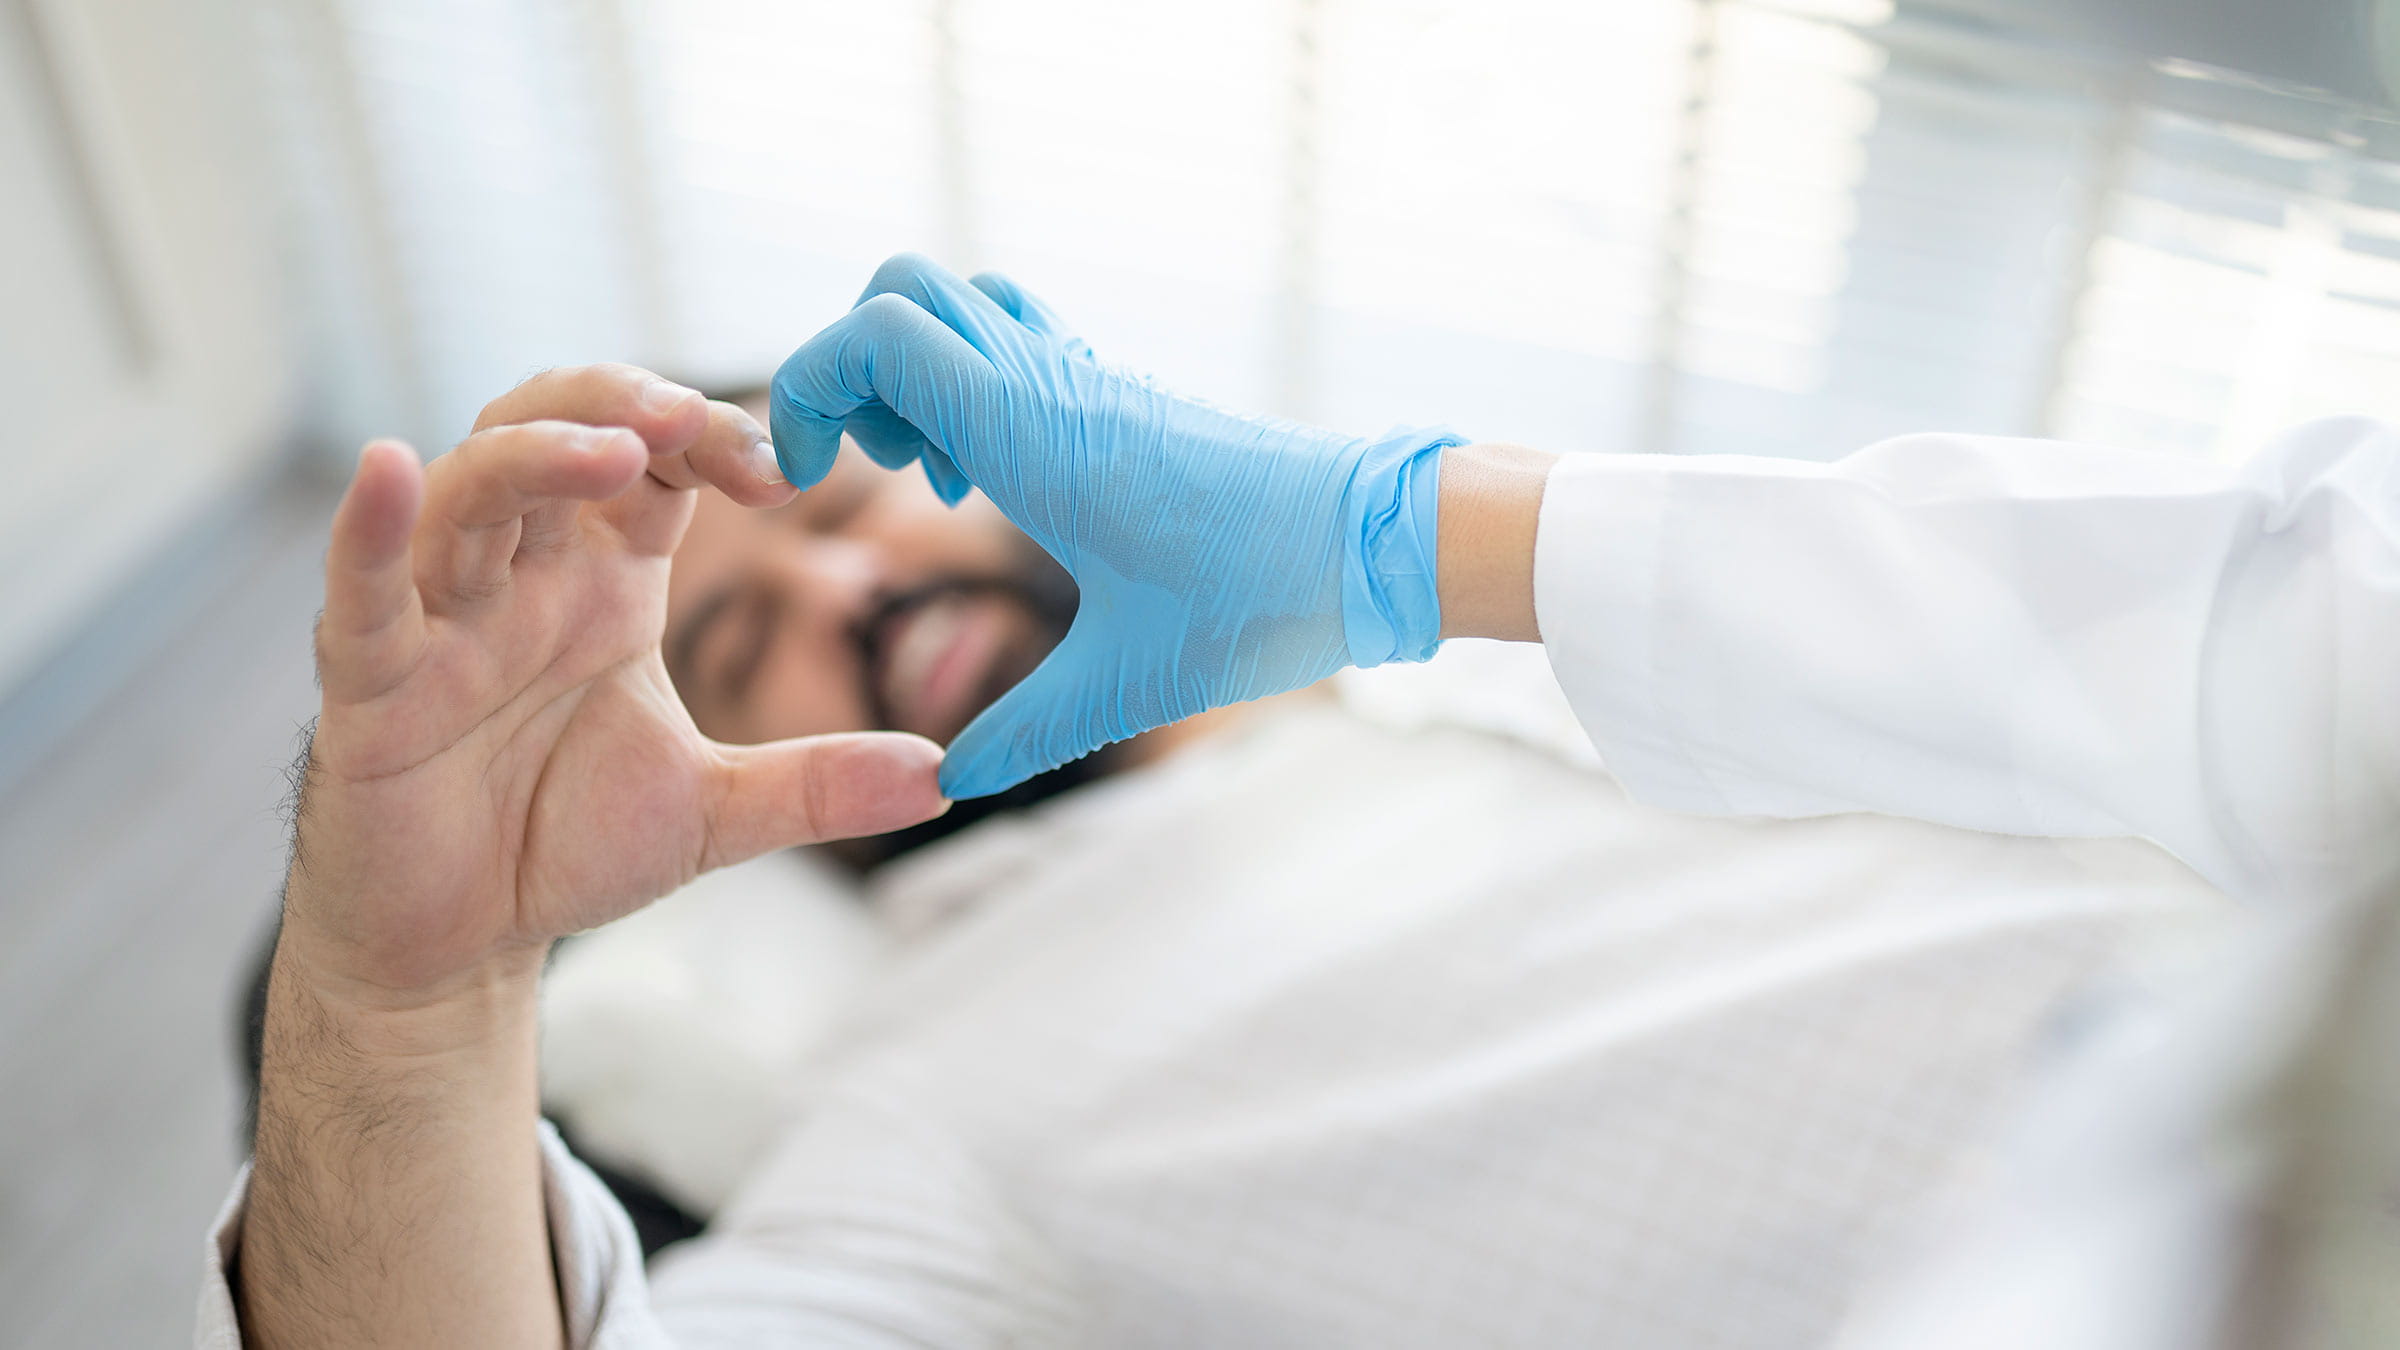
column 143, row 366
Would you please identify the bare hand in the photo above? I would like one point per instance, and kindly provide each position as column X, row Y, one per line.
column 501, row 759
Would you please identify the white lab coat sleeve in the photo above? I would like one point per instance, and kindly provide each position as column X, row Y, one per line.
column 601, row 1286
column 2020, row 636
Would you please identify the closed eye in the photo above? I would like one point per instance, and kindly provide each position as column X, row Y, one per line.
column 757, row 619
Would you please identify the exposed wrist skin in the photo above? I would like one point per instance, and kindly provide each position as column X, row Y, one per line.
column 1491, row 510
column 397, row 1133
column 456, row 1011
column 496, row 710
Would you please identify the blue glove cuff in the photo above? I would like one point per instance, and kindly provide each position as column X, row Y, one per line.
column 1391, row 516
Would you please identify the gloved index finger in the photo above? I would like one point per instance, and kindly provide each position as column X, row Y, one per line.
column 887, row 349
column 1027, row 308
column 938, row 291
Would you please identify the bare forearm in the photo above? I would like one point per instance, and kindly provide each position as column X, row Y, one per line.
column 1491, row 508
column 491, row 720
column 396, row 1196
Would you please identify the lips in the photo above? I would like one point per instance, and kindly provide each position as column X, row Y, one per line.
column 937, row 659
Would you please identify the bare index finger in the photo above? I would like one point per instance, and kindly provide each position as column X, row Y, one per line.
column 733, row 455
column 485, row 496
column 667, row 416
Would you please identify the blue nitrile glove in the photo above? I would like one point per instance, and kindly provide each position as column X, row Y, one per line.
column 1220, row 557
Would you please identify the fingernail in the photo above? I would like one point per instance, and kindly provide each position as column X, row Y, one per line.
column 659, row 396
column 763, row 463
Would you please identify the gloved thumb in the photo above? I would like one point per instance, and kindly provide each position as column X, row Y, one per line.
column 1062, row 711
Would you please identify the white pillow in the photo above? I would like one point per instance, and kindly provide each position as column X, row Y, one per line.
column 672, row 1037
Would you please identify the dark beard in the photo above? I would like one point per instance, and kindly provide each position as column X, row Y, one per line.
column 1044, row 590
column 865, row 855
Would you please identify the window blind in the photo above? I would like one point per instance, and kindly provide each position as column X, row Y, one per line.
column 1768, row 226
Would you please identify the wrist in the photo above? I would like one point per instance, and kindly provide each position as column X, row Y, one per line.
column 396, row 1177
column 379, row 918
column 478, row 1006
column 1491, row 507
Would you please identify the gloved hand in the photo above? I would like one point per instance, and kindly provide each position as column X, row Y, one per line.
column 1219, row 557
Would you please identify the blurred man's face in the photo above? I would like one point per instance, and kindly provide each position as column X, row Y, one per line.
column 866, row 604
